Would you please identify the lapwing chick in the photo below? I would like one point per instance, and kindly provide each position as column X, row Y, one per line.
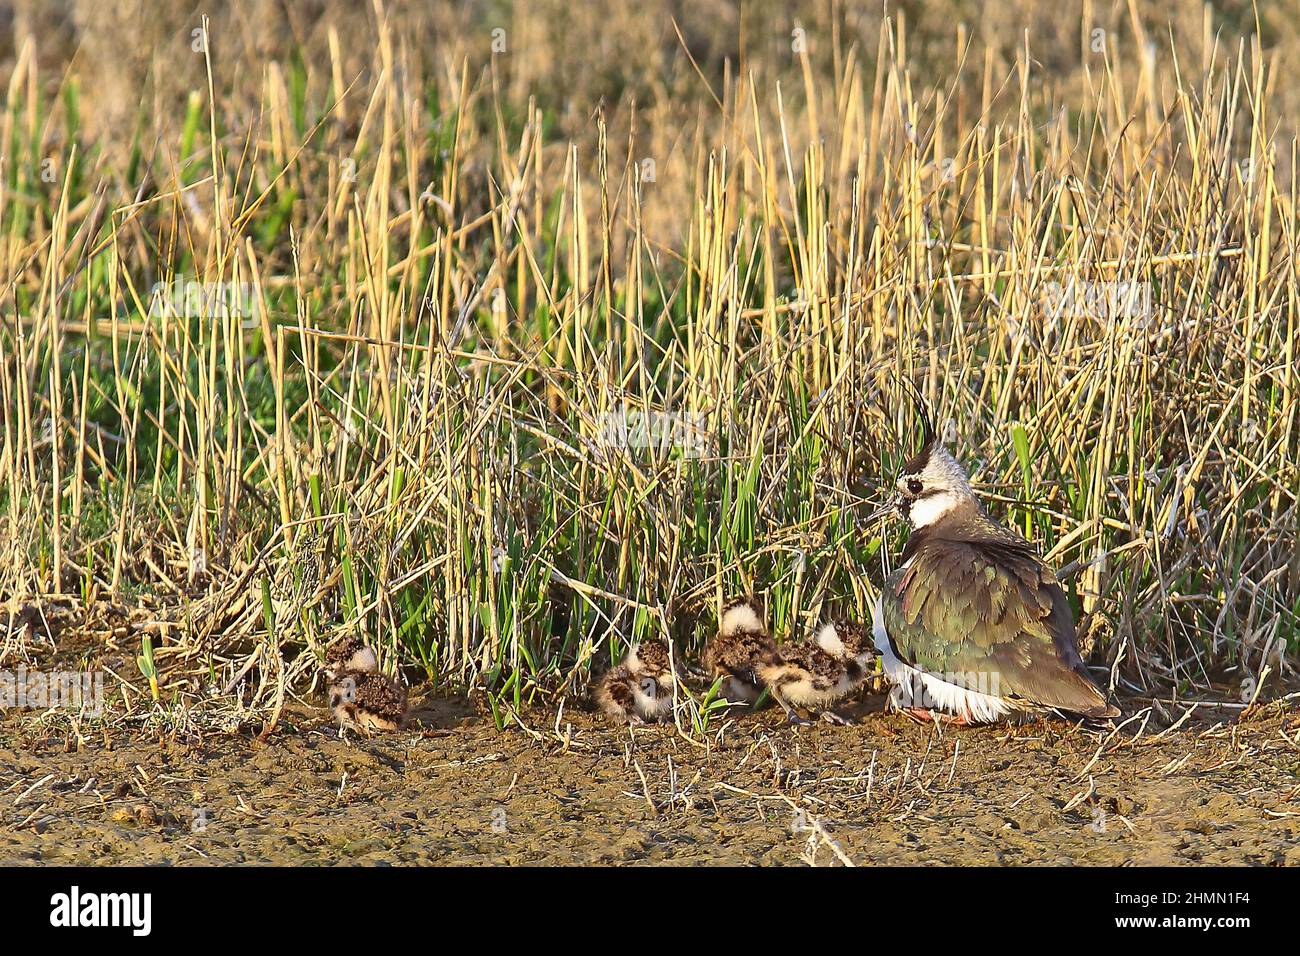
column 972, row 624
column 845, row 638
column 368, row 701
column 741, row 645
column 815, row 675
column 350, row 654
column 359, row 694
column 640, row 688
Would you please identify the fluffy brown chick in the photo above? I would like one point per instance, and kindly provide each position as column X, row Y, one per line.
column 369, row 701
column 815, row 675
column 640, row 688
column 742, row 644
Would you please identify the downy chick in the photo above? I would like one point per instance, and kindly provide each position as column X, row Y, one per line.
column 815, row 675
column 735, row 653
column 359, row 694
column 640, row 688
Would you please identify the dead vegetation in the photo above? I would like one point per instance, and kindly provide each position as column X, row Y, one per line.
column 466, row 251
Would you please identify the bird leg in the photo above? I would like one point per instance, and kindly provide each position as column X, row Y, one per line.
column 918, row 714
column 791, row 715
column 831, row 717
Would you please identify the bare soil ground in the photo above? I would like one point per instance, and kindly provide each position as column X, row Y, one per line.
column 453, row 789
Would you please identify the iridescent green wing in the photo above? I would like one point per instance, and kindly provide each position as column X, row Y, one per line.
column 988, row 617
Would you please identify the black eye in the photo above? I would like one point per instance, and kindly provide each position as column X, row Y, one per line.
column 914, row 486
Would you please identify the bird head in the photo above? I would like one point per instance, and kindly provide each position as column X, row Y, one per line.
column 650, row 661
column 932, row 484
column 343, row 692
column 846, row 642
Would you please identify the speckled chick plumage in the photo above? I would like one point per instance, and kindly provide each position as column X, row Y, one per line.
column 639, row 688
column 350, row 653
column 370, row 702
column 742, row 645
column 816, row 674
column 359, row 695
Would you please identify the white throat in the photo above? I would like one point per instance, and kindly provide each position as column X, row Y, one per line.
column 926, row 511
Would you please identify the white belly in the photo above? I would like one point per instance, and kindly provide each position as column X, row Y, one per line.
column 652, row 706
column 910, row 687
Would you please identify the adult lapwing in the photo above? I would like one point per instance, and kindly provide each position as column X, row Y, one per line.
column 972, row 624
column 640, row 688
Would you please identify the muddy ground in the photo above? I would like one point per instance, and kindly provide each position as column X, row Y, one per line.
column 454, row 789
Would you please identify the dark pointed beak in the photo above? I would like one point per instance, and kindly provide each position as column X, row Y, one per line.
column 889, row 507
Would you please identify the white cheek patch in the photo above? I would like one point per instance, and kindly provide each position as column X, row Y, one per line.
column 929, row 509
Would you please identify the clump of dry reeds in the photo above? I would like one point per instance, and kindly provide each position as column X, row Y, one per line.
column 507, row 337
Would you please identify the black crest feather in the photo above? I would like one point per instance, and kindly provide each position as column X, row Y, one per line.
column 918, row 461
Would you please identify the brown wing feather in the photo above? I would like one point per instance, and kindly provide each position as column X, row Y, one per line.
column 976, row 599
